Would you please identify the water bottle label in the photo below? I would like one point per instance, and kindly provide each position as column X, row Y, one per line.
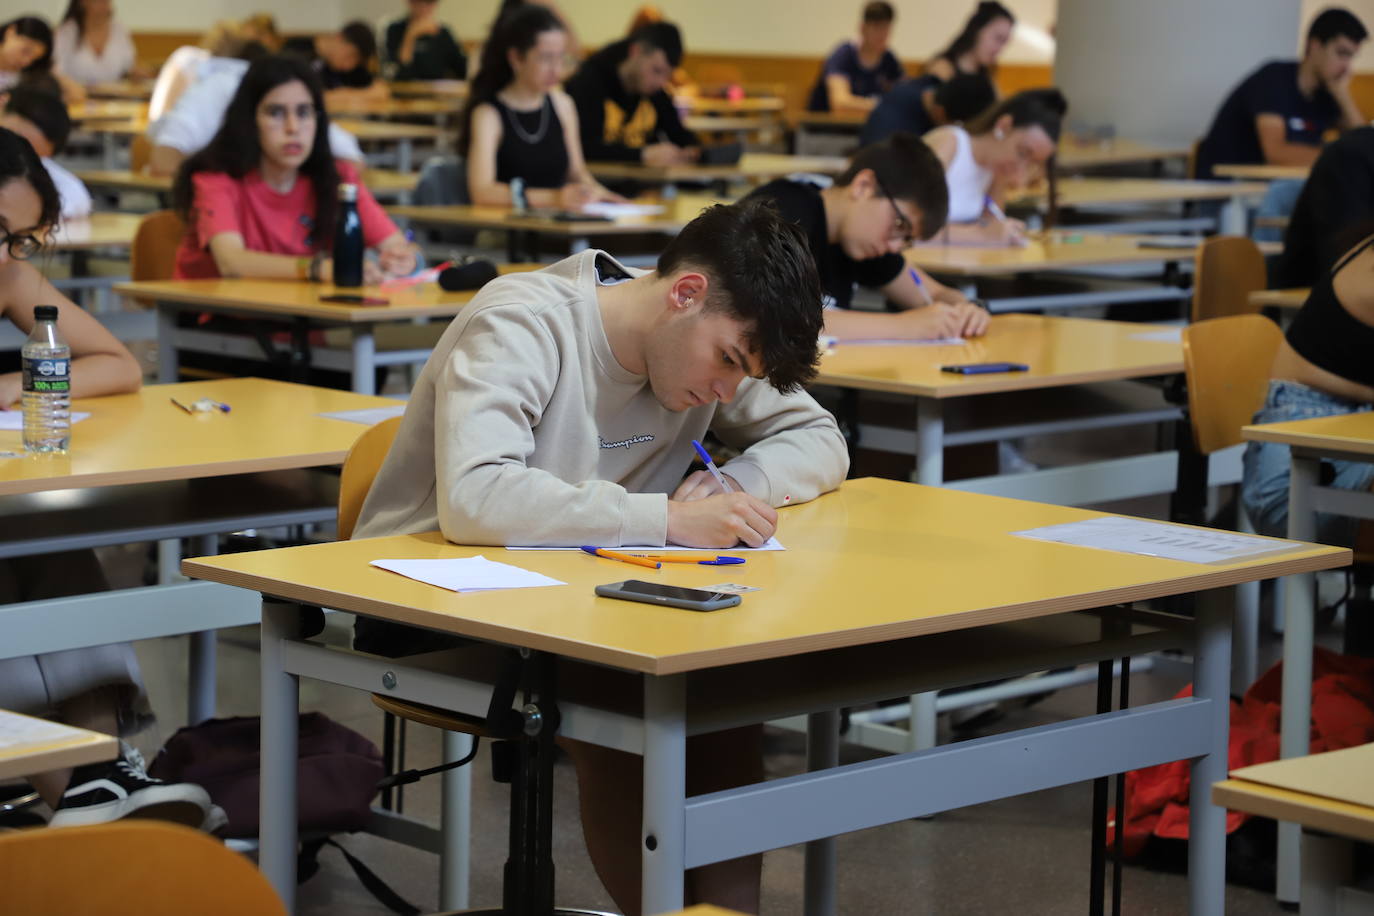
column 47, row 376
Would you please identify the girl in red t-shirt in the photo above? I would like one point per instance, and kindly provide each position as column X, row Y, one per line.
column 260, row 200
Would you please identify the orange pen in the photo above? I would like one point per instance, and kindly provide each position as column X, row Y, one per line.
column 622, row 557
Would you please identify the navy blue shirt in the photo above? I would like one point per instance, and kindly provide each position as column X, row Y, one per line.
column 1272, row 89
column 903, row 108
column 844, row 61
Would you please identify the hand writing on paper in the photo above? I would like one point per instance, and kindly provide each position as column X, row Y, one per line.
column 700, row 485
column 723, row 520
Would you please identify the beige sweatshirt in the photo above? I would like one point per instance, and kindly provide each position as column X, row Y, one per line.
column 523, row 429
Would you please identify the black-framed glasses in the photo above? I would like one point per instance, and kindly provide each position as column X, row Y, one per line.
column 903, row 228
column 22, row 247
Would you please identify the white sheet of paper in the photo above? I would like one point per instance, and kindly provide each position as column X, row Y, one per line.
column 1159, row 539
column 472, row 574
column 23, row 731
column 369, row 416
column 13, row 420
column 617, row 211
column 770, row 544
column 1172, row 335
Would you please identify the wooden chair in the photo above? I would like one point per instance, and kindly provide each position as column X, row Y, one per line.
column 140, row 151
column 1226, row 270
column 154, row 253
column 129, row 868
column 360, row 469
column 1226, row 361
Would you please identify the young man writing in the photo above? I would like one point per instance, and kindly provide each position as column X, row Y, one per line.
column 1278, row 115
column 558, row 409
column 892, row 194
column 623, row 107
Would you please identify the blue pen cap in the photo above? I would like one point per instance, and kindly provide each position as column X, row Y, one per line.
column 701, row 451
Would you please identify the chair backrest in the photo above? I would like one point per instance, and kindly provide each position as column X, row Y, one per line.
column 1227, row 361
column 443, row 181
column 154, row 254
column 1226, row 270
column 140, row 151
column 360, row 469
column 129, row 868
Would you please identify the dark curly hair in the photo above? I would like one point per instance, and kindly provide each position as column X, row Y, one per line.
column 762, row 275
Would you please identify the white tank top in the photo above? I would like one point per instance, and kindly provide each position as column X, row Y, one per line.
column 968, row 181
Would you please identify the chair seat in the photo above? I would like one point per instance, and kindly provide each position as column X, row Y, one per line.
column 433, row 716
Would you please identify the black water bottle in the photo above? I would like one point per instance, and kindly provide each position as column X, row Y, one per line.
column 348, row 239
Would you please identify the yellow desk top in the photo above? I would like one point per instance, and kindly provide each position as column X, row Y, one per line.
column 108, row 110
column 751, row 167
column 444, row 89
column 53, row 747
column 298, row 299
column 1059, row 351
column 1292, row 298
column 1088, row 192
column 1330, row 791
column 766, row 104
column 1262, row 172
column 1082, row 153
column 99, row 230
column 851, row 119
column 1047, row 251
column 140, row 90
column 877, row 560
column 431, row 106
column 678, row 212
column 144, row 438
column 713, row 123
column 378, row 181
column 705, row 909
column 128, row 127
column 1351, row 433
column 367, row 131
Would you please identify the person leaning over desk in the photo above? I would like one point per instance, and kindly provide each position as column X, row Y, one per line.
column 559, row 409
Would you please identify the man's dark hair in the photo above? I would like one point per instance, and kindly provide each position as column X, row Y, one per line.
column 1334, row 22
column 45, row 110
column 965, row 96
column 661, row 36
column 878, row 11
column 360, row 35
column 909, row 170
column 1043, row 108
column 761, row 274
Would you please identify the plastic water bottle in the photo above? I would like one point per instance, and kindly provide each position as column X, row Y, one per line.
column 348, row 239
column 47, row 380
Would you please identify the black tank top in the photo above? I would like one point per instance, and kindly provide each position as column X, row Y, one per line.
column 531, row 146
column 1331, row 338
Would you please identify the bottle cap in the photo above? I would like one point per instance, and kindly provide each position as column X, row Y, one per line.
column 45, row 313
column 348, row 193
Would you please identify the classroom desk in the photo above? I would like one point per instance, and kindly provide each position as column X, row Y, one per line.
column 48, row 746
column 1329, row 796
column 1349, row 437
column 704, row 105
column 739, row 127
column 435, row 108
column 79, row 238
column 384, row 184
column 403, row 135
column 141, row 470
column 136, row 90
column 107, row 110
column 828, row 131
column 1099, row 193
column 785, row 651
column 1075, row 154
column 1292, row 298
column 112, row 132
column 299, row 303
column 752, row 167
column 1263, row 172
column 423, row 89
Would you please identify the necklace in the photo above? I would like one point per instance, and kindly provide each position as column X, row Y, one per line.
column 538, row 135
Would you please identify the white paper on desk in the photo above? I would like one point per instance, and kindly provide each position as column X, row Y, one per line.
column 369, row 416
column 1170, row 335
column 1159, row 539
column 473, row 574
column 14, row 419
column 620, row 211
column 770, row 544
column 901, row 342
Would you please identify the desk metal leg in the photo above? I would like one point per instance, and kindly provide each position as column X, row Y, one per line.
column 930, row 471
column 1246, row 626
column 1299, row 595
column 1326, row 868
column 665, row 793
column 167, row 364
column 1206, row 821
column 200, row 701
column 277, row 798
column 456, row 817
column 404, row 156
column 1233, row 217
column 364, row 359
column 822, row 753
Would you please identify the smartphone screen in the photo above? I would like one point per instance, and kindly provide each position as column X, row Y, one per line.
column 670, row 591
column 353, row 299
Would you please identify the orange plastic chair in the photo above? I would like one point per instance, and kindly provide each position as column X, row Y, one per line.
column 1226, row 270
column 360, row 469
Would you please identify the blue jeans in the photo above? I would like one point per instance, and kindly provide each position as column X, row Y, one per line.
column 1264, row 488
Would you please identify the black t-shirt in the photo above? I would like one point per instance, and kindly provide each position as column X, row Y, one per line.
column 357, row 78
column 800, row 201
column 1272, row 89
column 903, row 108
column 615, row 124
column 1335, row 207
column 436, row 57
column 863, row 82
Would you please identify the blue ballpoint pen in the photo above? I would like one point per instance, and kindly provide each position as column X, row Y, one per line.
column 920, row 285
column 711, row 466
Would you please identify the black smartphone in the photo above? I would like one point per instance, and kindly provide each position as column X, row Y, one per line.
column 693, row 599
column 353, row 299
column 985, row 368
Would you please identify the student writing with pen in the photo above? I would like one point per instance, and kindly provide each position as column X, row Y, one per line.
column 559, row 409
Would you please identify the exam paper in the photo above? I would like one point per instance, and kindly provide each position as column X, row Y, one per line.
column 473, row 574
column 1159, row 539
column 617, row 211
column 369, row 416
column 13, row 420
column 770, row 544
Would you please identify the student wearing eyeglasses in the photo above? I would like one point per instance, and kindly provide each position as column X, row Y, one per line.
column 892, row 194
